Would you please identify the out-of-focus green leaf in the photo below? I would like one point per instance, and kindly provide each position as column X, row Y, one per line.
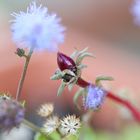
column 54, row 136
column 87, row 133
column 39, row 136
column 71, row 137
column 106, row 136
column 132, row 133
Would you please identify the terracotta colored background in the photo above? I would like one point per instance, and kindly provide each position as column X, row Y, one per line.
column 105, row 26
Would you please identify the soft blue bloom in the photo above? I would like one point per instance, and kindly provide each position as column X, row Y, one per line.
column 135, row 10
column 11, row 113
column 37, row 29
column 95, row 97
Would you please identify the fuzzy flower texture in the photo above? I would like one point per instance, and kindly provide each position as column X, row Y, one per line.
column 95, row 97
column 37, row 29
column 135, row 11
column 11, row 113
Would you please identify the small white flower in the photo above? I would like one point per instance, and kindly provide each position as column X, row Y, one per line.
column 69, row 125
column 46, row 110
column 37, row 29
column 51, row 124
column 135, row 10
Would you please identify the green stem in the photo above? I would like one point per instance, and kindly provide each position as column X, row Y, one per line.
column 20, row 85
column 33, row 126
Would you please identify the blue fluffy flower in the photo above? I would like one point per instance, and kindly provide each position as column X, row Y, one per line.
column 37, row 29
column 135, row 10
column 95, row 97
column 11, row 113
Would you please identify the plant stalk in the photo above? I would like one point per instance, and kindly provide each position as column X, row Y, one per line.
column 32, row 126
column 21, row 82
column 135, row 112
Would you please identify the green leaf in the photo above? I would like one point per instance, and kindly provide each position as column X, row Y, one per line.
column 107, row 136
column 39, row 136
column 71, row 137
column 132, row 133
column 54, row 136
column 87, row 133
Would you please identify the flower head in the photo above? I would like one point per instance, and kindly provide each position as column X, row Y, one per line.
column 70, row 69
column 11, row 114
column 51, row 124
column 95, row 97
column 69, row 125
column 37, row 29
column 46, row 110
column 135, row 10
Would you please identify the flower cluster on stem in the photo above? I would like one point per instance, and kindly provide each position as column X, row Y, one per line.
column 94, row 95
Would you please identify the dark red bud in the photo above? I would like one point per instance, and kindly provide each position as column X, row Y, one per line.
column 65, row 62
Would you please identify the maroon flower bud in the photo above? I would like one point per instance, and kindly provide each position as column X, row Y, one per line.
column 65, row 62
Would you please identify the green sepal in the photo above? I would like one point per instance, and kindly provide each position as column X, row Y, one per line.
column 70, row 86
column 61, row 88
column 82, row 56
column 83, row 51
column 79, row 93
column 74, row 54
column 23, row 103
column 58, row 75
column 103, row 78
column 82, row 66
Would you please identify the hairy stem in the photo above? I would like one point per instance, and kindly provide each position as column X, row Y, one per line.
column 32, row 126
column 20, row 85
column 36, row 129
column 127, row 104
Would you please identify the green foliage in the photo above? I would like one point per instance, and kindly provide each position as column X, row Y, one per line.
column 71, row 137
column 39, row 136
column 132, row 133
column 52, row 136
column 86, row 133
column 103, row 78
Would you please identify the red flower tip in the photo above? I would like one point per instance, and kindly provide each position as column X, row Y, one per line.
column 65, row 62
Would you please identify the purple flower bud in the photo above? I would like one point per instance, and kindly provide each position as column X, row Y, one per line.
column 95, row 97
column 11, row 114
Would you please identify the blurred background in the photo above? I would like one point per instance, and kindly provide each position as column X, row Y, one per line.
column 107, row 28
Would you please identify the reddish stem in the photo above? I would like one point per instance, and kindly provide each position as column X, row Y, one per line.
column 133, row 110
column 65, row 62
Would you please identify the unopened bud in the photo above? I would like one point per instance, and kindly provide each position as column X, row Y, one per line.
column 20, row 52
